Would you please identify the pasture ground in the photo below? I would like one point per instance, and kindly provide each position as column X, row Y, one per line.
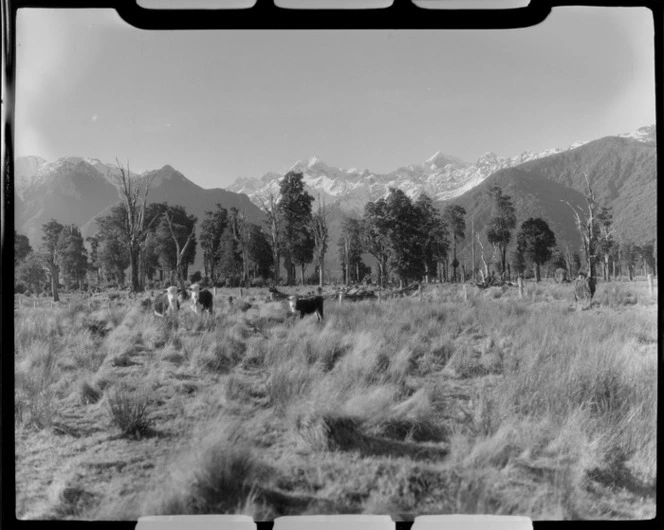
column 442, row 405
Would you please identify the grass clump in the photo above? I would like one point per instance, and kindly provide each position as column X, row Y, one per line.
column 219, row 476
column 129, row 409
column 89, row 393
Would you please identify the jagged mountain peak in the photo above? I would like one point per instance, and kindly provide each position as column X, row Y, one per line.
column 441, row 176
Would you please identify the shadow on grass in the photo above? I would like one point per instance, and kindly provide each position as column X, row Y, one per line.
column 619, row 476
column 344, row 434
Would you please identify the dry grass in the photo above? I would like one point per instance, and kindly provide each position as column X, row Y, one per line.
column 130, row 410
column 494, row 404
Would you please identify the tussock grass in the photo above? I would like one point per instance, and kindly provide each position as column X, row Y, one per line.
column 89, row 393
column 492, row 404
column 129, row 409
column 219, row 476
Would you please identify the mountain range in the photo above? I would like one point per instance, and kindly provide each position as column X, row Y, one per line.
column 77, row 190
column 621, row 168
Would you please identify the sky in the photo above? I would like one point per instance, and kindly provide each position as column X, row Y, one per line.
column 217, row 105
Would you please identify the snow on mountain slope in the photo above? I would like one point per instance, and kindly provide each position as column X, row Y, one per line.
column 441, row 176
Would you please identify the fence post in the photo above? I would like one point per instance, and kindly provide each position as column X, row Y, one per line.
column 650, row 285
column 380, row 297
column 419, row 289
column 240, row 292
column 215, row 291
column 519, row 282
column 341, row 297
column 465, row 293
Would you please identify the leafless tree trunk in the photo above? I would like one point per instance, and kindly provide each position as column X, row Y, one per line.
column 270, row 205
column 484, row 263
column 179, row 251
column 472, row 247
column 585, row 223
column 319, row 230
column 240, row 228
column 134, row 198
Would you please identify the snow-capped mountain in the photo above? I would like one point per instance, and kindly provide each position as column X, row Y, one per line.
column 643, row 134
column 441, row 176
column 75, row 190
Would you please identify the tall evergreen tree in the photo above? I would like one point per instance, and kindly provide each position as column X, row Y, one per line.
column 536, row 242
column 430, row 225
column 30, row 271
column 74, row 255
column 295, row 205
column 404, row 235
column 212, row 227
column 21, row 247
column 375, row 236
column 350, row 249
column 260, row 252
column 229, row 259
column 51, row 254
column 454, row 216
column 501, row 224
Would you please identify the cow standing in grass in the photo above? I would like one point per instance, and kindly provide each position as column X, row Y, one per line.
column 307, row 306
column 200, row 300
column 167, row 302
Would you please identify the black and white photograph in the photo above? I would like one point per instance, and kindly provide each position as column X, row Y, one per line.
column 281, row 272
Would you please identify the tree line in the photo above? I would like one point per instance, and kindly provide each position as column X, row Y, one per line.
column 411, row 240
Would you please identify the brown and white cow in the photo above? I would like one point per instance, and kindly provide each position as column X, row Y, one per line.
column 167, row 302
column 201, row 300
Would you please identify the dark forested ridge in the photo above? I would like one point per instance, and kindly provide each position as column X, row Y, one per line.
column 622, row 171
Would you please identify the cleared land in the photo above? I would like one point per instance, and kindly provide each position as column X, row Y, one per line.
column 445, row 405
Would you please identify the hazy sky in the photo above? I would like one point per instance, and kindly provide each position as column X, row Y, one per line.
column 217, row 105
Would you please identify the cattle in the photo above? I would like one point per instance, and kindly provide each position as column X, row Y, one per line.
column 200, row 300
column 307, row 306
column 167, row 302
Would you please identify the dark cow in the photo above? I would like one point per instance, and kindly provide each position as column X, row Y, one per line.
column 307, row 306
column 200, row 300
column 167, row 302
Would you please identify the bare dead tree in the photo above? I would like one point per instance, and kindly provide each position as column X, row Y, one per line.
column 179, row 251
column 240, row 229
column 472, row 242
column 586, row 224
column 270, row 205
column 485, row 273
column 134, row 198
column 318, row 227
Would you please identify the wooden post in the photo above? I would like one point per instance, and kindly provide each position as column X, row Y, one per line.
column 519, row 282
column 341, row 297
column 240, row 292
column 419, row 289
column 215, row 291
column 380, row 297
column 465, row 293
column 650, row 285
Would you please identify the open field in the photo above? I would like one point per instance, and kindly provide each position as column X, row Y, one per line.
column 442, row 405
